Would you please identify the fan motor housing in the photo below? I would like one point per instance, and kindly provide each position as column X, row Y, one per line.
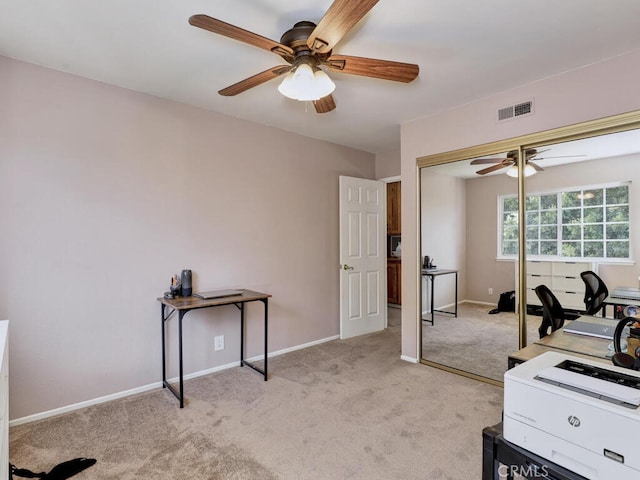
column 296, row 37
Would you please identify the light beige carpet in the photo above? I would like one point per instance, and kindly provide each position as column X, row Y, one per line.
column 475, row 341
column 341, row 410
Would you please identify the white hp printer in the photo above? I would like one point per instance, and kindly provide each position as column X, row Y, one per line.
column 581, row 414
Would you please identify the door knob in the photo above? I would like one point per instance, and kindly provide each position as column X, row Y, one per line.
column 346, row 267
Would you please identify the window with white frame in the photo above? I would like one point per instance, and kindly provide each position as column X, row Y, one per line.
column 581, row 222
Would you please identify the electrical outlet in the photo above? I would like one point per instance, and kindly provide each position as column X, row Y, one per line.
column 219, row 343
column 491, row 291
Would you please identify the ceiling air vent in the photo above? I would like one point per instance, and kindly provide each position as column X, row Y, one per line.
column 518, row 110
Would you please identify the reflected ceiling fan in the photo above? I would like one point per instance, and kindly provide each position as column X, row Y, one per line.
column 307, row 49
column 511, row 162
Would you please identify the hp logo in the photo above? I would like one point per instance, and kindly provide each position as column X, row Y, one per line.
column 573, row 421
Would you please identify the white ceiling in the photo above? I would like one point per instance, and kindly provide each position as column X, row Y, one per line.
column 592, row 148
column 466, row 49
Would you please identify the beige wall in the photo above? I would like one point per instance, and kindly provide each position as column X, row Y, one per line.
column 595, row 91
column 388, row 164
column 443, row 234
column 106, row 193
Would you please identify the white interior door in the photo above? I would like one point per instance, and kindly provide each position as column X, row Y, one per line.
column 363, row 256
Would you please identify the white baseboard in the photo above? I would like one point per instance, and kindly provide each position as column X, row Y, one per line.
column 153, row 386
column 406, row 358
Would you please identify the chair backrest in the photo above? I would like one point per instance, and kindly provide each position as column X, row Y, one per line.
column 552, row 311
column 595, row 292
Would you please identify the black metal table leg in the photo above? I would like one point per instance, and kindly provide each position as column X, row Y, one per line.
column 433, row 314
column 164, row 355
column 179, row 394
column 241, row 307
column 266, row 329
column 180, row 315
column 243, row 362
column 456, row 305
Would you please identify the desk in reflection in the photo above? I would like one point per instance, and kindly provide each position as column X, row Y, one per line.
column 583, row 346
column 431, row 274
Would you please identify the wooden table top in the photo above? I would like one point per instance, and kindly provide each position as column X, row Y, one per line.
column 188, row 303
column 584, row 344
column 579, row 345
column 437, row 271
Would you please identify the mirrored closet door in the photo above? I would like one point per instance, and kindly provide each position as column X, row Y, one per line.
column 578, row 211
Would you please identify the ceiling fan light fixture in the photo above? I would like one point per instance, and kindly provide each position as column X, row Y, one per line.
column 304, row 85
column 528, row 171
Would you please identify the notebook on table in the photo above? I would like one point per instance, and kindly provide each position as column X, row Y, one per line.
column 591, row 329
column 217, row 294
column 627, row 293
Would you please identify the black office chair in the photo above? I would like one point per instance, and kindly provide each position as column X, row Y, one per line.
column 595, row 292
column 552, row 311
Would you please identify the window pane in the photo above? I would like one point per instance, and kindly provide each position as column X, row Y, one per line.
column 532, row 233
column 510, row 205
column 510, row 233
column 549, row 202
column 618, row 214
column 570, row 199
column 548, row 248
column 618, row 249
column 572, row 215
column 571, row 249
column 549, row 217
column 510, row 248
column 533, row 218
column 617, row 195
column 594, row 249
column 510, row 219
column 618, row 231
column 549, row 232
column 593, row 232
column 593, row 215
column 532, row 203
column 532, row 247
column 571, row 232
column 593, row 197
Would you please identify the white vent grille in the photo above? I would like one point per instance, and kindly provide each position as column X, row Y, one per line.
column 518, row 110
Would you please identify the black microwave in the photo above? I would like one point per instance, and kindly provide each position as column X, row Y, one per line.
column 394, row 246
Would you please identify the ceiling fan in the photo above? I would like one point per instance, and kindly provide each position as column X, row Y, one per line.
column 511, row 160
column 307, row 49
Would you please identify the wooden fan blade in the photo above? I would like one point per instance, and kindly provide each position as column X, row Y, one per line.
column 533, row 152
column 222, row 28
column 559, row 156
column 483, row 161
column 336, row 22
column 325, row 104
column 254, row 81
column 493, row 168
column 371, row 67
column 535, row 166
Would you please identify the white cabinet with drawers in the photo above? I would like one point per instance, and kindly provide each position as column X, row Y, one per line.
column 562, row 278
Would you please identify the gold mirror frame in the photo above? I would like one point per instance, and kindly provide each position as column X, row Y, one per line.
column 593, row 128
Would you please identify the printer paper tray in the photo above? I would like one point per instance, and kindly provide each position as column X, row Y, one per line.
column 572, row 457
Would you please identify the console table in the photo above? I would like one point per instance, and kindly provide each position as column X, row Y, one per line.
column 185, row 304
column 431, row 274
